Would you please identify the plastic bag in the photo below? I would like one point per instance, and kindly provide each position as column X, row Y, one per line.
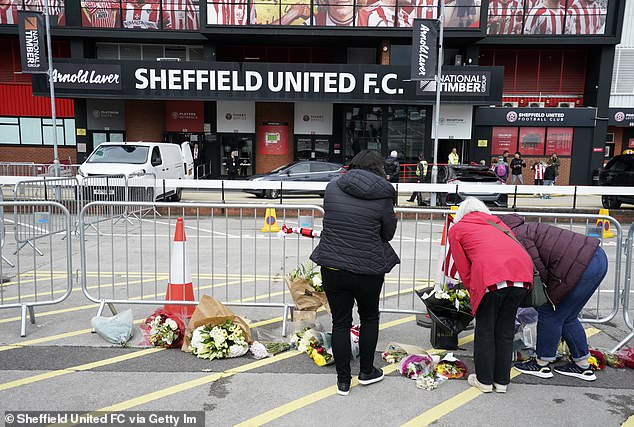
column 116, row 329
column 354, row 341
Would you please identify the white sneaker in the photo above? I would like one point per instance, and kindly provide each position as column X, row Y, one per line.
column 499, row 388
column 473, row 382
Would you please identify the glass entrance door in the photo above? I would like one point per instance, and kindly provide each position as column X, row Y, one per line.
column 241, row 143
column 313, row 147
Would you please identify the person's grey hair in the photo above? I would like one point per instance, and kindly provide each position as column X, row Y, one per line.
column 394, row 154
column 471, row 204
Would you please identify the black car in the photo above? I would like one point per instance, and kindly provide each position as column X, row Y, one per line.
column 302, row 171
column 619, row 172
column 471, row 174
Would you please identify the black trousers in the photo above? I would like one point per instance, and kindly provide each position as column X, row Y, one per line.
column 343, row 288
column 495, row 324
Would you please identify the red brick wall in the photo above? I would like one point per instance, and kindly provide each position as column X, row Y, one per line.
column 274, row 112
column 36, row 154
column 145, row 121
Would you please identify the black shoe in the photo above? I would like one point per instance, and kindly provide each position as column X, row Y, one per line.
column 343, row 388
column 531, row 367
column 374, row 377
column 574, row 370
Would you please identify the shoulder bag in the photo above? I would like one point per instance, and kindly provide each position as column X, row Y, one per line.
column 537, row 295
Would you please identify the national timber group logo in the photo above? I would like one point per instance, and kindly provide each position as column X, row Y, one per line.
column 511, row 116
column 30, row 23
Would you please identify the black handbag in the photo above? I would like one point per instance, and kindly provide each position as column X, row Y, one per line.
column 537, row 295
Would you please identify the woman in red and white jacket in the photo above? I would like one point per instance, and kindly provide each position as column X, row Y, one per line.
column 498, row 272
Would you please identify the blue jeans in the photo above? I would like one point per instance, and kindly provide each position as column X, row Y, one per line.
column 564, row 321
column 548, row 182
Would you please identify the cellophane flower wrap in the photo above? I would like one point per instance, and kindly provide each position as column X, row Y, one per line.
column 163, row 329
column 414, row 366
column 219, row 342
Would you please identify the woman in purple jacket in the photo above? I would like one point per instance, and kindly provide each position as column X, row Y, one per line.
column 572, row 266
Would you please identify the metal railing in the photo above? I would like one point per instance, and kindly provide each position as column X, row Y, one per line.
column 627, row 289
column 32, row 282
column 231, row 259
column 36, row 169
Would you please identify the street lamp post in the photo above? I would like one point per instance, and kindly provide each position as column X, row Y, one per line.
column 434, row 169
column 51, row 86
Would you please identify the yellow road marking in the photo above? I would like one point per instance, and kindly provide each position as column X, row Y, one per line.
column 85, row 307
column 449, row 405
column 149, row 397
column 304, row 401
column 78, row 368
column 629, row 422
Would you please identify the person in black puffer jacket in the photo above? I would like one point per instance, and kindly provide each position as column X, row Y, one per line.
column 572, row 266
column 354, row 254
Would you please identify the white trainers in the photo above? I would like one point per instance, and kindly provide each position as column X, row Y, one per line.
column 473, row 382
column 499, row 388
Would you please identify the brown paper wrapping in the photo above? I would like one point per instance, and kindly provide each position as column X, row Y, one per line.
column 211, row 312
column 304, row 296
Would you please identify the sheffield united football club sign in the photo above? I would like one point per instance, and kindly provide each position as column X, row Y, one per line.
column 32, row 50
column 268, row 81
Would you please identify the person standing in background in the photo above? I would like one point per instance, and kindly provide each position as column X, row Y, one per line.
column 549, row 179
column 392, row 167
column 196, row 155
column 233, row 163
column 516, row 169
column 454, row 158
column 421, row 176
column 554, row 161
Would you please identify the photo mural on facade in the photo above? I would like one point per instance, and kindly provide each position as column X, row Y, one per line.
column 545, row 17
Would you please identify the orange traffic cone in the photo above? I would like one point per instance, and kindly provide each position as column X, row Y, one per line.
column 180, row 286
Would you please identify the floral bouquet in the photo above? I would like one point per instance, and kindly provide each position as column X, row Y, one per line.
column 596, row 360
column 451, row 368
column 395, row 352
column 163, row 329
column 219, row 341
column 414, row 366
column 214, row 330
column 449, row 306
column 306, row 288
column 316, row 344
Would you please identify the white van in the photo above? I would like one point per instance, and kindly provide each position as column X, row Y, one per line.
column 162, row 160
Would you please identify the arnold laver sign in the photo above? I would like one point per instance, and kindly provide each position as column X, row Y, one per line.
column 424, row 40
column 269, row 81
column 89, row 76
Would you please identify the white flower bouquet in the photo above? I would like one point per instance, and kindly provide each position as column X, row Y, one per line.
column 219, row 342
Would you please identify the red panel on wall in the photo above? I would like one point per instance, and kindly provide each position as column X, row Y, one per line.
column 273, row 138
column 184, row 116
column 532, row 141
column 559, row 141
column 502, row 139
column 18, row 100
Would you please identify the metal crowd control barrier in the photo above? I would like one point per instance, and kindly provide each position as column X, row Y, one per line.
column 61, row 190
column 627, row 288
column 421, row 257
column 35, row 282
column 36, row 169
column 230, row 257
